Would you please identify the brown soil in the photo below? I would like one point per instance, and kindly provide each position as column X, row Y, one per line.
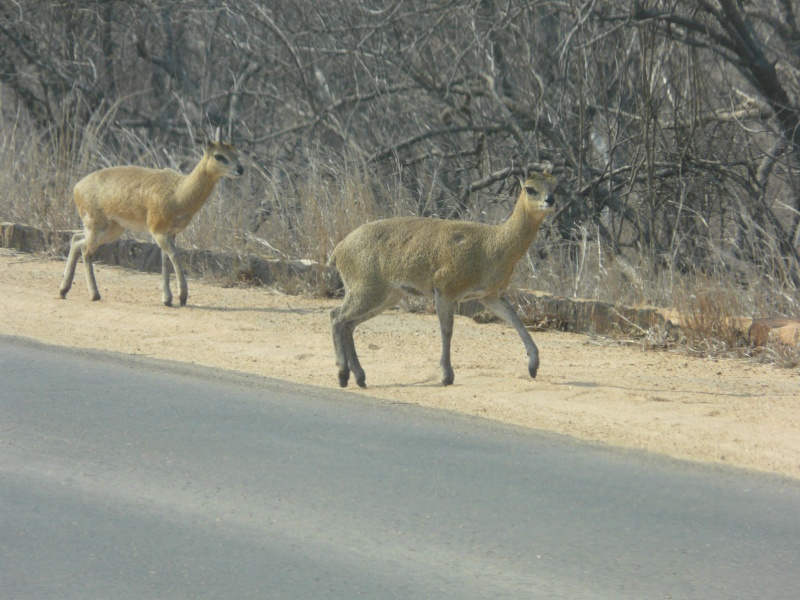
column 729, row 411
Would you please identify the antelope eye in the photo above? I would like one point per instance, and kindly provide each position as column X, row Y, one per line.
column 221, row 159
column 530, row 191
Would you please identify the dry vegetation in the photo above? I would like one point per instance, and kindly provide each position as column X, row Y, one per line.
column 671, row 124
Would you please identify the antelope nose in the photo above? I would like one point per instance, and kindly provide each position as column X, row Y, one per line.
column 239, row 169
column 550, row 200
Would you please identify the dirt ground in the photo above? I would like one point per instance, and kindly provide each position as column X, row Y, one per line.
column 726, row 411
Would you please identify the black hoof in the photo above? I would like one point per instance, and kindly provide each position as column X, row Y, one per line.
column 183, row 301
column 362, row 382
column 533, row 365
column 168, row 303
column 448, row 375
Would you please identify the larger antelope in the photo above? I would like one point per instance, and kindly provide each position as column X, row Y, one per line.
column 449, row 261
column 162, row 202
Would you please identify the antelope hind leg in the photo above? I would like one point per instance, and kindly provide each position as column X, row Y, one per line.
column 344, row 345
column 356, row 308
column 78, row 241
column 339, row 330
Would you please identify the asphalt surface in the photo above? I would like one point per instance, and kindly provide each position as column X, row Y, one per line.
column 122, row 477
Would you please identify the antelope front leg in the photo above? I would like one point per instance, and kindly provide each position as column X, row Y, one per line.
column 166, row 293
column 505, row 311
column 168, row 248
column 445, row 310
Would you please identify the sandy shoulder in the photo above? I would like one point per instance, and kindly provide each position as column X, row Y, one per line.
column 726, row 411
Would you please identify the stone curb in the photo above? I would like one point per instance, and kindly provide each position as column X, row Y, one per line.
column 146, row 257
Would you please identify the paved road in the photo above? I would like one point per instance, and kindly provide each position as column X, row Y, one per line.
column 129, row 478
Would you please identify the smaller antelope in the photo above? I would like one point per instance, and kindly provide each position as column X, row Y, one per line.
column 161, row 201
column 449, row 261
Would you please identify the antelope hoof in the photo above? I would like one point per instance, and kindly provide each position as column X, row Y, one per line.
column 448, row 375
column 360, row 376
column 533, row 367
column 63, row 294
column 344, row 376
column 183, row 301
column 168, row 302
column 95, row 297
